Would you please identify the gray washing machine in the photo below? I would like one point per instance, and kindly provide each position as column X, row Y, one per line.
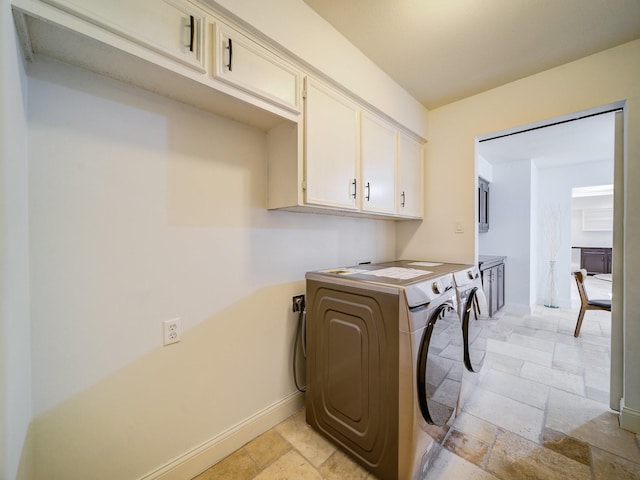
column 471, row 303
column 474, row 315
column 384, row 368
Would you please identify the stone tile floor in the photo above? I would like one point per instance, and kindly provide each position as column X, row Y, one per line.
column 538, row 409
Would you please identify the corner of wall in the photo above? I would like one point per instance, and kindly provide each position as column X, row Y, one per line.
column 15, row 340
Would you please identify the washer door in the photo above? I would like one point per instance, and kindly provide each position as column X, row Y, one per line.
column 471, row 327
column 439, row 369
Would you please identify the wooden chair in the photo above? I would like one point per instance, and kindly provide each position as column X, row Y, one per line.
column 587, row 304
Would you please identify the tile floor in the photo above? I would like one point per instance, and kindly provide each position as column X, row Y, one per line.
column 538, row 410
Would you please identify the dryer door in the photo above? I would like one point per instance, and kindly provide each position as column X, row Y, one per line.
column 471, row 328
column 439, row 369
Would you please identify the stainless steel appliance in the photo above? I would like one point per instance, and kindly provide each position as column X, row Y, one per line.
column 473, row 309
column 471, row 302
column 384, row 368
column 472, row 306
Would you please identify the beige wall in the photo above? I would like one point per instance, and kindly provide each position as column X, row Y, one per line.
column 143, row 209
column 306, row 35
column 594, row 81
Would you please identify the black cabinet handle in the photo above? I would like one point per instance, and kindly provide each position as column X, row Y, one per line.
column 230, row 47
column 403, row 199
column 368, row 195
column 192, row 29
column 355, row 188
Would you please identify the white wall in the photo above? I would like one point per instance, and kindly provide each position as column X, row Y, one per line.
column 534, row 238
column 15, row 364
column 510, row 229
column 484, row 169
column 555, row 185
column 590, row 238
column 521, row 198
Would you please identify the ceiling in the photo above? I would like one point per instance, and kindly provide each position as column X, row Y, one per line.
column 441, row 51
column 585, row 140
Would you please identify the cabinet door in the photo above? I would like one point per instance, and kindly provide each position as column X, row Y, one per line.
column 245, row 64
column 331, row 148
column 378, row 160
column 594, row 260
column 499, row 286
column 488, row 287
column 410, row 181
column 493, row 305
column 170, row 27
column 609, row 260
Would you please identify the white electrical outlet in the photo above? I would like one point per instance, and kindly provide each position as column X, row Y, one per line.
column 172, row 331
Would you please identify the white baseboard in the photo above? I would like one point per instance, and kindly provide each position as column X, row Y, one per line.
column 630, row 419
column 517, row 309
column 200, row 458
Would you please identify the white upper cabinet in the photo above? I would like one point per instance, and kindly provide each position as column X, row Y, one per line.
column 349, row 161
column 164, row 46
column 378, row 159
column 410, row 171
column 245, row 64
column 330, row 148
column 170, row 27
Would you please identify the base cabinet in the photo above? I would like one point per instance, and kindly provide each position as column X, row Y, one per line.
column 596, row 260
column 493, row 280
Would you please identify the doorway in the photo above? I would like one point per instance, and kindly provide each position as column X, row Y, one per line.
column 534, row 168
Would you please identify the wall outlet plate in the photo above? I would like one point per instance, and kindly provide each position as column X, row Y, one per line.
column 172, row 331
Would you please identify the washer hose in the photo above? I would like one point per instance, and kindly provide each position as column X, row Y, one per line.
column 301, row 339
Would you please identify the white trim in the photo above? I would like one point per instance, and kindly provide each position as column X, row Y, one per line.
column 198, row 459
column 549, row 122
column 629, row 418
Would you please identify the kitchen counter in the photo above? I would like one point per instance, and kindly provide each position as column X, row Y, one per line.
column 488, row 261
